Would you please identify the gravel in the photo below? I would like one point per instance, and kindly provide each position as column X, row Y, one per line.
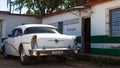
column 50, row 62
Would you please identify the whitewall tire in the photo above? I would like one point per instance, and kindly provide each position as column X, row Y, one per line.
column 24, row 59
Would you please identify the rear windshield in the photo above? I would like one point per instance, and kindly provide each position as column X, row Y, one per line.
column 31, row 30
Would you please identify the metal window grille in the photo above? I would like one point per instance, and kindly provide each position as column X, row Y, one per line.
column 115, row 22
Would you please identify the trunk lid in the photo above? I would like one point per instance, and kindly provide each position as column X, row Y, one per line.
column 48, row 41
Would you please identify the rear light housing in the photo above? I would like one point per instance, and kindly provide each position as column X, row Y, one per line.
column 75, row 46
column 34, row 42
column 75, row 41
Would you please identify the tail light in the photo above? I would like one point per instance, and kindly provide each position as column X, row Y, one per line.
column 75, row 43
column 34, row 42
column 75, row 46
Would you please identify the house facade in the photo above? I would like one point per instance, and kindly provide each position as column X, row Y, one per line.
column 9, row 21
column 97, row 27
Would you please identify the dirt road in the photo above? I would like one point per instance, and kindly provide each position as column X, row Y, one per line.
column 46, row 63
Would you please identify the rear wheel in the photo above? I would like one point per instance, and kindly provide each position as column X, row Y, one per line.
column 5, row 55
column 24, row 59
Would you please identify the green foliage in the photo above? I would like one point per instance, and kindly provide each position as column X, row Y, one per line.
column 42, row 7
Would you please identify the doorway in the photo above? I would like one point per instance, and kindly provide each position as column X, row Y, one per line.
column 86, row 35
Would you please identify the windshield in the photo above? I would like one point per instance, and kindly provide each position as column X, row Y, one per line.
column 31, row 30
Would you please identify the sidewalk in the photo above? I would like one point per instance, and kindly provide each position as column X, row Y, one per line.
column 104, row 56
column 99, row 59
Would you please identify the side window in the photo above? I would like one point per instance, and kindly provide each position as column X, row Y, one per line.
column 14, row 33
column 17, row 32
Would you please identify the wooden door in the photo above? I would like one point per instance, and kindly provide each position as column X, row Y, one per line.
column 86, row 35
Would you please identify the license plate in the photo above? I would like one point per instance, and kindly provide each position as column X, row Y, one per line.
column 57, row 52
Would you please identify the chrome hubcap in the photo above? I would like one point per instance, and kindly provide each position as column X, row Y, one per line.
column 22, row 55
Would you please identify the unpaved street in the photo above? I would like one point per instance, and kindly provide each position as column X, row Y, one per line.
column 48, row 63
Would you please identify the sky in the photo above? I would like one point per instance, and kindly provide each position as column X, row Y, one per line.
column 3, row 5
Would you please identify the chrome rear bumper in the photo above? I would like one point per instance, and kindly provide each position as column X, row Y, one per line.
column 48, row 52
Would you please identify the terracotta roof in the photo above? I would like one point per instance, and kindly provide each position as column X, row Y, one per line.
column 94, row 2
column 91, row 3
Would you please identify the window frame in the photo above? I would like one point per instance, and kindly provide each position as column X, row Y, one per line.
column 16, row 31
column 110, row 20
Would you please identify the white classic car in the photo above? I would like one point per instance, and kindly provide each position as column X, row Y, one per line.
column 38, row 40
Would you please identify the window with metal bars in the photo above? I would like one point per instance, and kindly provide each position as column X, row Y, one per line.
column 115, row 22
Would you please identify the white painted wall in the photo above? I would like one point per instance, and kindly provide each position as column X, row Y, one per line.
column 72, row 27
column 60, row 17
column 11, row 21
column 100, row 17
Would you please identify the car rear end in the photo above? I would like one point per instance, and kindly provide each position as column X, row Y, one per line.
column 53, row 46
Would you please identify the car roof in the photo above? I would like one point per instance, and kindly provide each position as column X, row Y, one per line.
column 23, row 27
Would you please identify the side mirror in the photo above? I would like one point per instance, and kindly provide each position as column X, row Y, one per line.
column 9, row 35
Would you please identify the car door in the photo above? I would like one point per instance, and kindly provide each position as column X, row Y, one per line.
column 17, row 33
column 8, row 45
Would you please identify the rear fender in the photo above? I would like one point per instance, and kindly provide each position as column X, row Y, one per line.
column 26, row 47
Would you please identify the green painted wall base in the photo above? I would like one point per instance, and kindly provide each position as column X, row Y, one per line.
column 101, row 39
column 104, row 39
column 105, row 51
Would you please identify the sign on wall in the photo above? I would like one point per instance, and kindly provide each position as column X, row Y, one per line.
column 72, row 28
